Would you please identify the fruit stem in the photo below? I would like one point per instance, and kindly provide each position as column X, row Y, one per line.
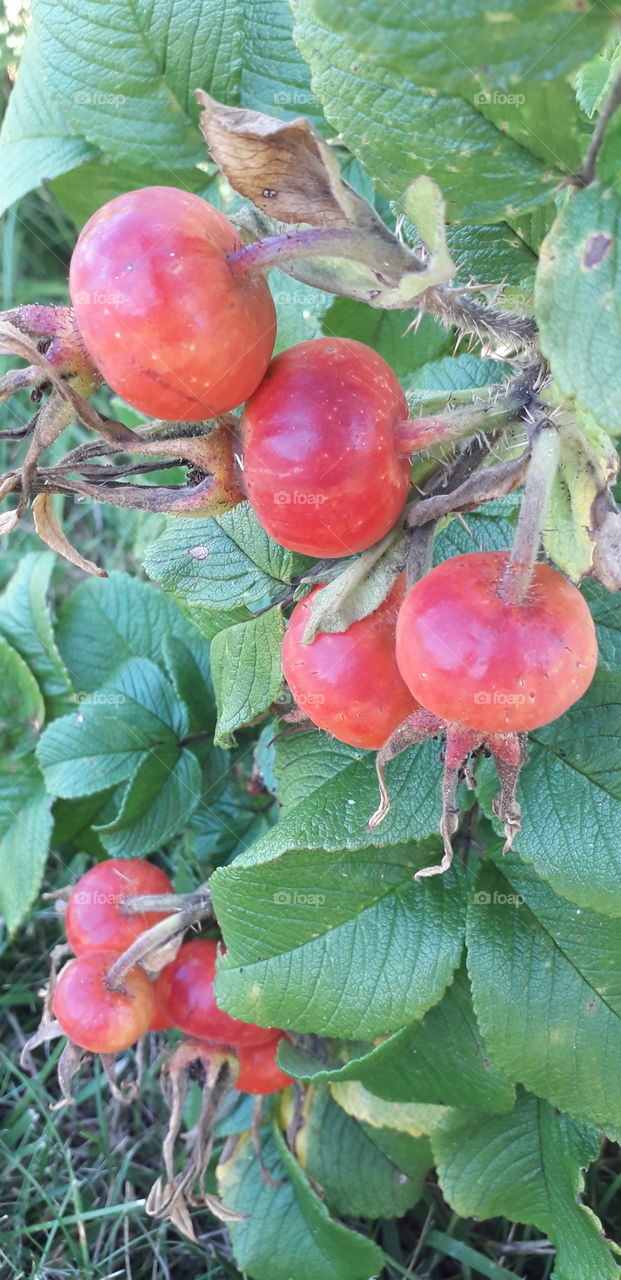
column 310, row 242
column 197, row 907
column 544, row 459
column 416, row 434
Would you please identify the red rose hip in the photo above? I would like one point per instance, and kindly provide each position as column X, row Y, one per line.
column 348, row 682
column 321, row 469
column 471, row 655
column 93, row 1015
column 169, row 326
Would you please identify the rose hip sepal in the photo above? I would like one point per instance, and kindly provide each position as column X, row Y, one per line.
column 187, row 999
column 487, row 664
column 93, row 1015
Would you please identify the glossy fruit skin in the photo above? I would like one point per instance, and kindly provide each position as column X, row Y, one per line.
column 170, row 328
column 159, row 1020
column 93, row 919
column 187, row 998
column 320, row 466
column 93, row 1016
column 497, row 667
column 259, row 1072
column 348, row 682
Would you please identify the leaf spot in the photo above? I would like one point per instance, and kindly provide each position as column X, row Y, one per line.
column 595, row 249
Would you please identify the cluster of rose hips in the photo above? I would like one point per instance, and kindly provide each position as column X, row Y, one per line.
column 180, row 321
column 105, row 1017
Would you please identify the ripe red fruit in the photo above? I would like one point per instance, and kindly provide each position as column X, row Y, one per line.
column 186, row 994
column 473, row 657
column 96, row 1017
column 348, row 682
column 258, row 1069
column 169, row 326
column 94, row 919
column 321, row 468
column 160, row 1020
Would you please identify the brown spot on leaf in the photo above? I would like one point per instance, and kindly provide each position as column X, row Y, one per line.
column 595, row 249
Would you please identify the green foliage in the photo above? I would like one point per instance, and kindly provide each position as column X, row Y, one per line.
column 139, row 717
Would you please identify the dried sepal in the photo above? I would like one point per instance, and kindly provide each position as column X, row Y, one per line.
column 50, row 532
column 173, row 1193
column 508, row 751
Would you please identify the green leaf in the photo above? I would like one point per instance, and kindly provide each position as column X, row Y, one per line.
column 223, row 563
column 593, row 80
column 189, row 671
column 441, row 1060
column 287, row 1231
column 247, row 672
column 329, row 791
column 570, row 793
column 25, row 831
column 363, row 1171
column 159, row 799
column 606, row 613
column 224, row 826
column 301, row 311
column 22, row 711
column 526, row 1166
column 386, row 332
column 407, row 1117
column 127, row 86
column 345, row 945
column 490, row 529
column 551, row 1016
column 103, row 744
column 523, row 42
column 397, row 128
column 107, row 621
column 438, row 378
column 578, row 275
column 492, row 256
column 131, row 77
column 545, row 119
column 26, row 622
column 36, row 142
column 85, row 189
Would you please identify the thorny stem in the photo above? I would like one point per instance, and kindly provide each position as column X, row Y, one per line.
column 586, row 173
column 487, row 323
column 545, row 453
column 310, row 242
column 198, row 907
column 415, row 434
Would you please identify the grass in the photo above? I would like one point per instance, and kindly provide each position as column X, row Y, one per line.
column 75, row 1181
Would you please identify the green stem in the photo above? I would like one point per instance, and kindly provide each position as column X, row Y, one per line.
column 542, row 469
column 310, row 242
